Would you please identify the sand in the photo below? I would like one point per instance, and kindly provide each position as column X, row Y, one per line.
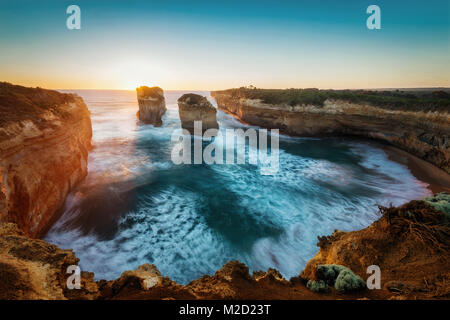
column 437, row 179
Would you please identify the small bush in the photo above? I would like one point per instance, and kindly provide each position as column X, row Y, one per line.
column 440, row 202
column 342, row 278
column 347, row 281
column 318, row 286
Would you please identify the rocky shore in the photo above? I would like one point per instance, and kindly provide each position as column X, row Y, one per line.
column 410, row 244
column 422, row 130
column 44, row 141
column 152, row 105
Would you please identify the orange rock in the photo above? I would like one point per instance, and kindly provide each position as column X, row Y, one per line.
column 44, row 141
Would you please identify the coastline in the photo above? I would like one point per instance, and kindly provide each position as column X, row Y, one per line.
column 409, row 243
column 437, row 179
column 422, row 133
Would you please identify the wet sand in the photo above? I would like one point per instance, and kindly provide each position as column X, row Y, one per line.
column 437, row 179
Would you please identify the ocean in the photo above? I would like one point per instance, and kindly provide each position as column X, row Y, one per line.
column 136, row 206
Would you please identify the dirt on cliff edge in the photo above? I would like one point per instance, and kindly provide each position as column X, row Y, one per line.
column 410, row 244
column 18, row 103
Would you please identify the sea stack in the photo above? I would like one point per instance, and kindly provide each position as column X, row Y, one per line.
column 152, row 105
column 193, row 107
column 45, row 137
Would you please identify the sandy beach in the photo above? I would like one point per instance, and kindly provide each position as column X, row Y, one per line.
column 437, row 179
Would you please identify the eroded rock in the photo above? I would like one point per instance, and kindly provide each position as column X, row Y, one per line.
column 193, row 107
column 408, row 243
column 152, row 105
column 35, row 269
column 147, row 276
column 44, row 141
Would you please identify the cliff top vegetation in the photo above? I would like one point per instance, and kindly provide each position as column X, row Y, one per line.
column 192, row 99
column 18, row 103
column 150, row 92
column 420, row 100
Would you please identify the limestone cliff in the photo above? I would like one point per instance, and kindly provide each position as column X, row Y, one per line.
column 152, row 105
column 35, row 269
column 193, row 107
column 423, row 133
column 44, row 141
column 410, row 244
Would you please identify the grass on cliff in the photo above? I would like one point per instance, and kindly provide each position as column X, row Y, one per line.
column 394, row 100
column 19, row 103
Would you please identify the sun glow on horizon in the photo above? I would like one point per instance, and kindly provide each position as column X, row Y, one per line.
column 194, row 46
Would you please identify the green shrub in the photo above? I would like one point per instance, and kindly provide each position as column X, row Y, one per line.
column 347, row 281
column 440, row 202
column 342, row 278
column 318, row 286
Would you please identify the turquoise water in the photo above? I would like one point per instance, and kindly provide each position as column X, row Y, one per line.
column 137, row 207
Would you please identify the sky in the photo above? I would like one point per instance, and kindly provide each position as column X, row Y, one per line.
column 209, row 45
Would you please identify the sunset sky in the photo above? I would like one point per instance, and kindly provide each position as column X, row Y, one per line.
column 222, row 44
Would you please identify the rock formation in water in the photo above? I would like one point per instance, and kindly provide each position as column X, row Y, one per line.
column 410, row 244
column 407, row 123
column 193, row 107
column 44, row 141
column 152, row 105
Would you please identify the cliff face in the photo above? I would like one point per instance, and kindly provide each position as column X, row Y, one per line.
column 424, row 134
column 35, row 269
column 152, row 105
column 44, row 141
column 193, row 107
